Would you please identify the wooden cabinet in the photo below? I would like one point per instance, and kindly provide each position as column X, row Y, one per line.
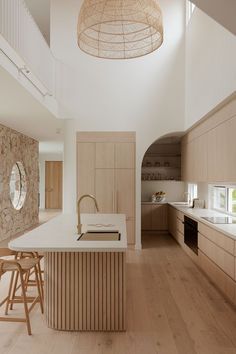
column 124, row 155
column 220, row 257
column 105, row 155
column 86, row 174
column 105, row 190
column 218, row 277
column 159, row 217
column 124, row 187
column 154, row 217
column 208, row 150
column 146, row 216
column 194, row 160
column 216, row 254
column 106, row 169
column 225, row 242
column 172, row 221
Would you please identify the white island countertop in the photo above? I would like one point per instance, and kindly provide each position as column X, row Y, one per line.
column 60, row 234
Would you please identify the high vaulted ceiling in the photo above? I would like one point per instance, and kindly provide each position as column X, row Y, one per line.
column 222, row 11
column 40, row 10
column 19, row 110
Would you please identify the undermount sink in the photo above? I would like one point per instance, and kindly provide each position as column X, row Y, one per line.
column 100, row 236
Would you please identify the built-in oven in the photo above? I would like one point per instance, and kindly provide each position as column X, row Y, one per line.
column 191, row 233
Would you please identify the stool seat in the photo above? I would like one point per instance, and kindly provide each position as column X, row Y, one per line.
column 25, row 263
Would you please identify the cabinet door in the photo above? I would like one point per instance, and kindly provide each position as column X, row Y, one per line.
column 104, row 185
column 130, row 228
column 105, row 155
column 146, row 216
column 159, row 217
column 124, row 192
column 200, row 158
column 125, row 155
column 86, row 174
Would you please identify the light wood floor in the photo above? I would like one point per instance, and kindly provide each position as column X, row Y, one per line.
column 171, row 308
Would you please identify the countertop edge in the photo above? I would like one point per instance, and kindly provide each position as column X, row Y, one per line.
column 203, row 221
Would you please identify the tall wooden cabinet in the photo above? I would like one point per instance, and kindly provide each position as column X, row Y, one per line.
column 106, row 169
column 208, row 150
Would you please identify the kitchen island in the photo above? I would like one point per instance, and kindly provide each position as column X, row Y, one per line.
column 84, row 280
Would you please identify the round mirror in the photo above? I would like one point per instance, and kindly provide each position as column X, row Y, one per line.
column 18, row 185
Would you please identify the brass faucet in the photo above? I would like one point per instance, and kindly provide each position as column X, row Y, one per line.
column 79, row 226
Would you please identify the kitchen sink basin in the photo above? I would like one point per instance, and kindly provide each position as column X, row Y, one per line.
column 100, row 236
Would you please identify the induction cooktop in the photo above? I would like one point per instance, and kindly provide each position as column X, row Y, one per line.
column 220, row 219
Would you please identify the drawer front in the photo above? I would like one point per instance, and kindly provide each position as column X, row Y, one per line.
column 180, row 226
column 180, row 215
column 221, row 280
column 220, row 239
column 180, row 238
column 221, row 258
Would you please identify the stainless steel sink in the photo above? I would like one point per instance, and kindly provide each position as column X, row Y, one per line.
column 100, row 236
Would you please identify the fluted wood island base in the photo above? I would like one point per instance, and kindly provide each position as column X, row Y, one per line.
column 85, row 291
column 84, row 280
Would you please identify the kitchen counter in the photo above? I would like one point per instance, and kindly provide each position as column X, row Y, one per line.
column 196, row 214
column 60, row 234
column 154, row 203
column 85, row 287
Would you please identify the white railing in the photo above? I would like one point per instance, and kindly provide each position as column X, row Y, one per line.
column 21, row 32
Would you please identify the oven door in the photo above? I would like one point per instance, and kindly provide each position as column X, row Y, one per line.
column 191, row 234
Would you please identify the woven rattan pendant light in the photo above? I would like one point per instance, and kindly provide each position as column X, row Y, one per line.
column 120, row 29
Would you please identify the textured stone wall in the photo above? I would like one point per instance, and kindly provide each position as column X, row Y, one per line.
column 18, row 147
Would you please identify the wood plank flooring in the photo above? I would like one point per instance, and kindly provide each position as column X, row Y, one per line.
column 172, row 308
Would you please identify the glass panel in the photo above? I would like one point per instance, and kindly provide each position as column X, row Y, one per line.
column 220, row 198
column 192, row 190
column 18, row 185
column 232, row 200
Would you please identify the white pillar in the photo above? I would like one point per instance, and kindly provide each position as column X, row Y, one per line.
column 69, row 167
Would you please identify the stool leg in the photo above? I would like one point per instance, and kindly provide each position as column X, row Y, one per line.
column 14, row 289
column 38, row 287
column 41, row 280
column 9, row 296
column 25, row 303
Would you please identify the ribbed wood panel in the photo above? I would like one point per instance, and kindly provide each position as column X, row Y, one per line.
column 85, row 291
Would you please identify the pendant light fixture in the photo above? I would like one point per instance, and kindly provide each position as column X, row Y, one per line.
column 120, row 29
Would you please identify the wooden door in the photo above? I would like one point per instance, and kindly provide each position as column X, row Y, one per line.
column 53, row 184
column 104, row 186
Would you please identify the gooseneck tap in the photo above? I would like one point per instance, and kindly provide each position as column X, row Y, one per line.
column 79, row 226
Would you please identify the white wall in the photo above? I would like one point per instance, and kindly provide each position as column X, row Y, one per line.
column 42, row 158
column 174, row 190
column 210, row 65
column 145, row 95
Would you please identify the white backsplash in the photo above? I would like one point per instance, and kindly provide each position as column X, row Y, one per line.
column 174, row 190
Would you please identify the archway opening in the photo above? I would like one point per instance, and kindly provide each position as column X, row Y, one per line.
column 161, row 184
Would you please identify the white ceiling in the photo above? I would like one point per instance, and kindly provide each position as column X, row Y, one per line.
column 40, row 10
column 19, row 110
column 222, row 11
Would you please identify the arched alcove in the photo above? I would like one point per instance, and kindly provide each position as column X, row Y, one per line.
column 161, row 183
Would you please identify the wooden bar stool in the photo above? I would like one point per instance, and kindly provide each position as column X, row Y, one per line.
column 19, row 268
column 30, row 279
